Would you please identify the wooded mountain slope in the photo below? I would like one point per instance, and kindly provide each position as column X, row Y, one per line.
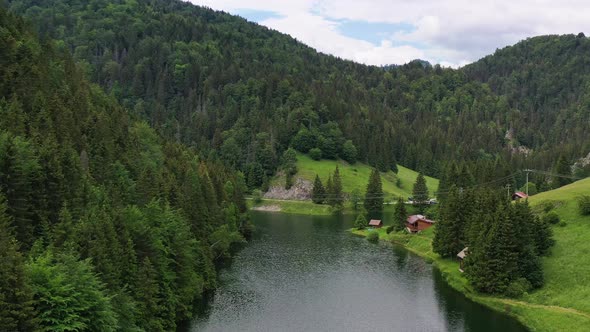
column 246, row 93
column 104, row 224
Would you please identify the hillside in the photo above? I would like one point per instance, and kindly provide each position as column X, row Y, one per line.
column 356, row 176
column 104, row 224
column 210, row 80
column 567, row 270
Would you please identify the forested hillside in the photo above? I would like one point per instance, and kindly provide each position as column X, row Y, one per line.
column 104, row 224
column 245, row 93
column 546, row 82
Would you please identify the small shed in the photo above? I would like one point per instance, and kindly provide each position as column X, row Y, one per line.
column 375, row 223
column 418, row 222
column 461, row 256
column 519, row 195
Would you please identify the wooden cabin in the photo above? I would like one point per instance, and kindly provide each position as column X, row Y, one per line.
column 519, row 195
column 375, row 223
column 461, row 256
column 417, row 222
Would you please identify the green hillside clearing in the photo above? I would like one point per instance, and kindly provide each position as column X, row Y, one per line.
column 357, row 176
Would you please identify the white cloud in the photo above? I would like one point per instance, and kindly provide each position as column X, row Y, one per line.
column 447, row 32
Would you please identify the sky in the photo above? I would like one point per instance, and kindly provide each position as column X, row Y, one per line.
column 381, row 32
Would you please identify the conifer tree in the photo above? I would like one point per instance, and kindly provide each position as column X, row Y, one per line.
column 330, row 191
column 318, row 193
column 562, row 168
column 374, row 195
column 361, row 221
column 420, row 193
column 16, row 297
column 337, row 197
column 400, row 214
column 449, row 233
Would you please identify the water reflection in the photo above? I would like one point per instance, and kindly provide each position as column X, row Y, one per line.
column 309, row 274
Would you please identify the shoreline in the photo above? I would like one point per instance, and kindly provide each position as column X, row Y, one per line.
column 534, row 317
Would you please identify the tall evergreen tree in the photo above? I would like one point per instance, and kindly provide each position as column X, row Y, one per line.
column 562, row 167
column 420, row 193
column 318, row 193
column 16, row 297
column 449, row 234
column 374, row 195
column 337, row 198
column 400, row 214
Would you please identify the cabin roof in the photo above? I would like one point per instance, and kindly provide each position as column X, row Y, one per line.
column 414, row 219
column 520, row 194
column 374, row 222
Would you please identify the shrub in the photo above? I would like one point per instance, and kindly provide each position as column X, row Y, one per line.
column 562, row 224
column 389, row 229
column 373, row 237
column 257, row 196
column 548, row 206
column 315, row 154
column 551, row 218
column 584, row 205
column 518, row 287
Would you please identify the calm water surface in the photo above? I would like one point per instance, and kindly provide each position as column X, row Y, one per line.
column 303, row 273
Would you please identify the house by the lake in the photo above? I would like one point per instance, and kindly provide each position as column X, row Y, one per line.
column 461, row 256
column 375, row 223
column 519, row 195
column 418, row 222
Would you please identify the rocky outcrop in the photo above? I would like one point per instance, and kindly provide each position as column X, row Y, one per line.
column 300, row 191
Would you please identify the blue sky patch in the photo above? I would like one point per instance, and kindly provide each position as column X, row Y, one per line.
column 257, row 15
column 372, row 32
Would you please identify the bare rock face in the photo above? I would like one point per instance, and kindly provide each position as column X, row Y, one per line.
column 581, row 163
column 300, row 191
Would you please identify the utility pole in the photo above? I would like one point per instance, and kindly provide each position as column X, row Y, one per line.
column 508, row 189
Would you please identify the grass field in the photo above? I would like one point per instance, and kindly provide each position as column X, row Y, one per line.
column 563, row 303
column 567, row 270
column 357, row 176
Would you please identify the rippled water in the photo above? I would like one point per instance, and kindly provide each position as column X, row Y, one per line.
column 305, row 273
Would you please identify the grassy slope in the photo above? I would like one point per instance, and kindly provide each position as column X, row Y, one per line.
column 357, row 176
column 567, row 270
column 563, row 304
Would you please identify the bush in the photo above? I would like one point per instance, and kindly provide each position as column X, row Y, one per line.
column 562, row 224
column 257, row 196
column 548, row 206
column 518, row 288
column 315, row 154
column 373, row 237
column 551, row 218
column 389, row 229
column 584, row 205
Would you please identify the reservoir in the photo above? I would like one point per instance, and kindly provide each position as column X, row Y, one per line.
column 307, row 273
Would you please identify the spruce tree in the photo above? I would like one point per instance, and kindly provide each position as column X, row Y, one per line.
column 449, row 233
column 420, row 193
column 330, row 191
column 374, row 195
column 337, row 197
column 16, row 297
column 361, row 221
column 562, row 167
column 400, row 214
column 318, row 193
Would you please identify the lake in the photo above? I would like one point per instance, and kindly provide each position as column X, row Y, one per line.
column 307, row 273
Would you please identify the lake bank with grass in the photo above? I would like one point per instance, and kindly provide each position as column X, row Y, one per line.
column 539, row 315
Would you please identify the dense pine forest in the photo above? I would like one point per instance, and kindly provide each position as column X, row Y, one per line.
column 131, row 130
column 104, row 224
column 246, row 93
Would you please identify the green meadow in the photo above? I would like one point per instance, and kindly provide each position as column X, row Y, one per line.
column 356, row 176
